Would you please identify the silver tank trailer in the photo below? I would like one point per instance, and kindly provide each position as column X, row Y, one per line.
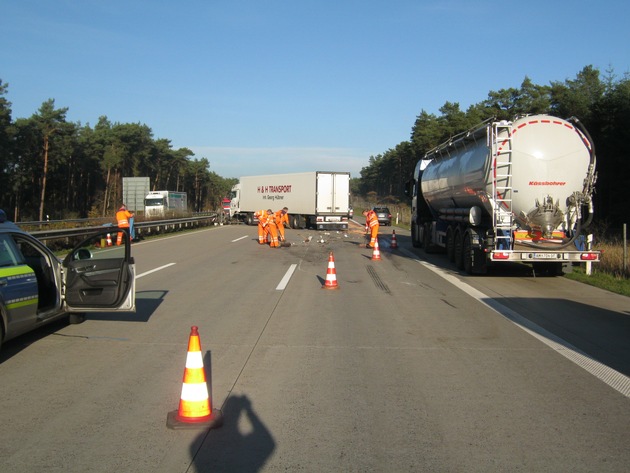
column 550, row 178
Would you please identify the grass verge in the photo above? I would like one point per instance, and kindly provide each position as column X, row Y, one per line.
column 602, row 280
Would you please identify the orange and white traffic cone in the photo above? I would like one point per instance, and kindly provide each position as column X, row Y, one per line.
column 109, row 240
column 394, row 244
column 195, row 407
column 376, row 254
column 331, row 274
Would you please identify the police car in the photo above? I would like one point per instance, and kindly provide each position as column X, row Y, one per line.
column 36, row 287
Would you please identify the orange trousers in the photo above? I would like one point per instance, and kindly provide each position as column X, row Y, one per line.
column 373, row 235
column 262, row 234
column 119, row 238
column 273, row 233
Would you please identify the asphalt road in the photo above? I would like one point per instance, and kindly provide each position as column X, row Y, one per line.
column 407, row 366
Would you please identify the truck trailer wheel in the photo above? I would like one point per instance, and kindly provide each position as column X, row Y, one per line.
column 426, row 240
column 467, row 262
column 450, row 244
column 458, row 250
column 415, row 239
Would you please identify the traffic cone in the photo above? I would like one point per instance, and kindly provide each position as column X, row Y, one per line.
column 195, row 407
column 109, row 240
column 376, row 254
column 331, row 274
column 394, row 244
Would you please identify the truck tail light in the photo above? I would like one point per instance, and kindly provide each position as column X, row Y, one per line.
column 589, row 256
column 501, row 255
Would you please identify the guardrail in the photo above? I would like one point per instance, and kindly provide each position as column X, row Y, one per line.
column 146, row 228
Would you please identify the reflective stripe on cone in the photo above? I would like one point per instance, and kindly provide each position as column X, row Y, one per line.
column 195, row 406
column 331, row 274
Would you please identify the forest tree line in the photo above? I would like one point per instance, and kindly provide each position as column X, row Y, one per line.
column 58, row 169
column 601, row 103
column 54, row 167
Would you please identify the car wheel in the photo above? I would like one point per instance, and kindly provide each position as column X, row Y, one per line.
column 76, row 318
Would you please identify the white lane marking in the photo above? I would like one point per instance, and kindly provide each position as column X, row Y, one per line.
column 138, row 276
column 285, row 279
column 239, row 238
column 613, row 378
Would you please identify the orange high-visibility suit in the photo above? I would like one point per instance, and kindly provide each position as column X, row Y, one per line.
column 273, row 230
column 122, row 217
column 371, row 226
column 261, row 215
column 281, row 217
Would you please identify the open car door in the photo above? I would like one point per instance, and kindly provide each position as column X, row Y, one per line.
column 99, row 275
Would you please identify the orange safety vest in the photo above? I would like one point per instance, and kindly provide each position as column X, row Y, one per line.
column 371, row 219
column 270, row 219
column 281, row 218
column 123, row 216
column 261, row 215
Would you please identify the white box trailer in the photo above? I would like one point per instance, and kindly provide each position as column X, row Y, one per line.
column 315, row 199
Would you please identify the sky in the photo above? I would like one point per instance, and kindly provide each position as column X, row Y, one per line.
column 276, row 86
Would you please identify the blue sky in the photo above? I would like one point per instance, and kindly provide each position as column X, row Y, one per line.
column 271, row 86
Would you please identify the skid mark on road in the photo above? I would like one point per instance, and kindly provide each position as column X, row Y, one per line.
column 378, row 282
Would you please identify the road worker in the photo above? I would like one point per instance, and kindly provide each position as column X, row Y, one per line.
column 124, row 219
column 272, row 229
column 261, row 215
column 371, row 226
column 281, row 217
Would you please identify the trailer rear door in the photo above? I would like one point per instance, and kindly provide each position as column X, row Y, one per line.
column 332, row 193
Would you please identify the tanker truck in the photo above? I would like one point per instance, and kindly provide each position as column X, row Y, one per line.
column 508, row 191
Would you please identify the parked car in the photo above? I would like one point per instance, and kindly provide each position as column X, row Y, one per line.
column 384, row 215
column 36, row 287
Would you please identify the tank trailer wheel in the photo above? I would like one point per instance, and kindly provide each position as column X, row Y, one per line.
column 426, row 240
column 450, row 244
column 467, row 261
column 458, row 250
column 415, row 241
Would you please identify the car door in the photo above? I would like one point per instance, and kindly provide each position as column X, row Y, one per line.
column 99, row 275
column 18, row 288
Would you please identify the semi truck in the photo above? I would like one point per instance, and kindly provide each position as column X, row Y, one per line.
column 316, row 199
column 508, row 191
column 165, row 203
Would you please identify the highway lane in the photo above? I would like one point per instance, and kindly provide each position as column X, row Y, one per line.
column 397, row 370
column 591, row 320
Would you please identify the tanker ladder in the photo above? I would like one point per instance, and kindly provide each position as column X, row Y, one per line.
column 502, row 218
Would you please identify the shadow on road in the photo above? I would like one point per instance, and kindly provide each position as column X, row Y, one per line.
column 243, row 444
column 147, row 302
